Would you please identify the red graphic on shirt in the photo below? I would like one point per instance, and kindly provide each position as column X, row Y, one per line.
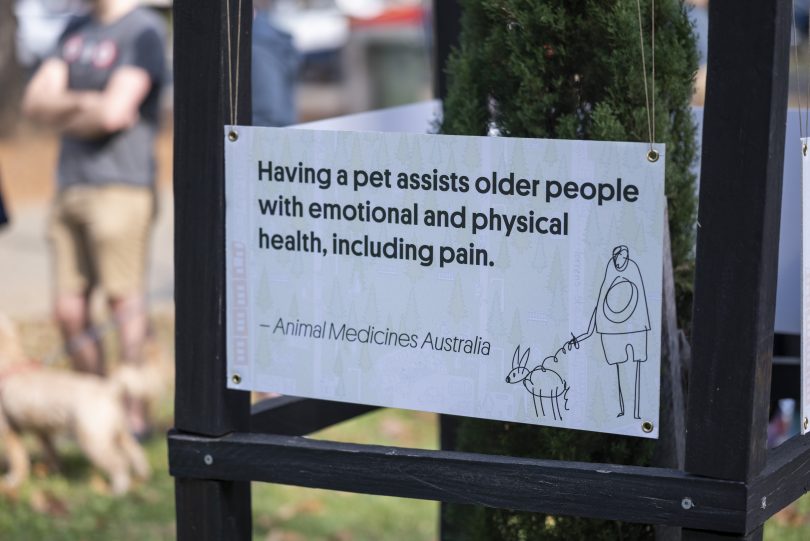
column 72, row 49
column 105, row 54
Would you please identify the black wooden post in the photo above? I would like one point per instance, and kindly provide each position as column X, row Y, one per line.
column 446, row 28
column 206, row 509
column 738, row 240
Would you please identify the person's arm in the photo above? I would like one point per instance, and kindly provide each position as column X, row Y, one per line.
column 113, row 109
column 85, row 114
column 591, row 327
column 47, row 99
column 575, row 340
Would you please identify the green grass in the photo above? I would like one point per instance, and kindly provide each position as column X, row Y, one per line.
column 73, row 505
column 791, row 524
column 297, row 514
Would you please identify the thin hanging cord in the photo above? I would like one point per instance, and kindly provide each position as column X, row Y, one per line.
column 233, row 77
column 798, row 84
column 807, row 101
column 644, row 72
column 238, row 56
column 652, row 41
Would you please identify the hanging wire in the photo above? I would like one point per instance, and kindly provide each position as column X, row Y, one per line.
column 233, row 75
column 652, row 46
column 807, row 95
column 802, row 129
column 652, row 155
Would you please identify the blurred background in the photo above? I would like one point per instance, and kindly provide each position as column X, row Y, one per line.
column 314, row 59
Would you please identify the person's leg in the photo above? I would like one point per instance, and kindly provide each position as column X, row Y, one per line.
column 121, row 241
column 73, row 280
column 637, row 395
column 637, row 352
column 132, row 323
column 72, row 314
column 619, row 387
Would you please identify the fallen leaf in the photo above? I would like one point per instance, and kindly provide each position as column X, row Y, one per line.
column 343, row 535
column 46, row 503
column 99, row 485
column 40, row 470
column 394, row 429
column 790, row 516
column 286, row 512
column 310, row 507
column 282, row 535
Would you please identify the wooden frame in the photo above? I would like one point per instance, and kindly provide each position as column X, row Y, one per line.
column 731, row 484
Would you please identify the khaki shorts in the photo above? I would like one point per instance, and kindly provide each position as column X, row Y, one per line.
column 99, row 236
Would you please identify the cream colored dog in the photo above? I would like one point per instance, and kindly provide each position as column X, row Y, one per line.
column 47, row 401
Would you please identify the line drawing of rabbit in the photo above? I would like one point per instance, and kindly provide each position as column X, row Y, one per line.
column 541, row 382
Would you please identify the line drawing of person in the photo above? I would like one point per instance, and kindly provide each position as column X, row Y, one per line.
column 622, row 320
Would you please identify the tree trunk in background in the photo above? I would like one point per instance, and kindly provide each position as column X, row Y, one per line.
column 10, row 72
column 571, row 69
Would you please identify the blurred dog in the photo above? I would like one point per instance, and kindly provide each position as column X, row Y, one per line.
column 47, row 401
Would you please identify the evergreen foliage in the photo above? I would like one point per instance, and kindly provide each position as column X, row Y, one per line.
column 571, row 69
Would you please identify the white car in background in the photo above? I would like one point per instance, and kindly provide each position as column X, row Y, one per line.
column 39, row 25
column 41, row 22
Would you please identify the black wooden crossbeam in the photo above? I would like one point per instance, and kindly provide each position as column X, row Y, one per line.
column 784, row 479
column 628, row 493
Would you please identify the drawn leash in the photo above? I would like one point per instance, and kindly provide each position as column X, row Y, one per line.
column 571, row 344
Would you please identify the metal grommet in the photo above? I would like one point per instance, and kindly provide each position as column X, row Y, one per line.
column 232, row 136
column 687, row 503
column 652, row 155
column 647, row 426
column 208, row 459
column 236, row 379
column 806, row 424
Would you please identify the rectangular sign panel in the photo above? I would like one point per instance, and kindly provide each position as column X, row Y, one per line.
column 500, row 278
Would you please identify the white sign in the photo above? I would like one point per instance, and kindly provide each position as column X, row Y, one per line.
column 500, row 278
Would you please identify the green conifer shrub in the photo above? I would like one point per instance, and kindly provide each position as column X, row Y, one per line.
column 571, row 69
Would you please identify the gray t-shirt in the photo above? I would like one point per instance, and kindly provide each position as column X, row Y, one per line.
column 92, row 52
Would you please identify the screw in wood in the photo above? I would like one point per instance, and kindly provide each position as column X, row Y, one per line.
column 652, row 155
column 647, row 426
column 208, row 459
column 687, row 504
column 232, row 136
column 236, row 379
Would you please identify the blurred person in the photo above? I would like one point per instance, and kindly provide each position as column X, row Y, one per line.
column 100, row 90
column 274, row 70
